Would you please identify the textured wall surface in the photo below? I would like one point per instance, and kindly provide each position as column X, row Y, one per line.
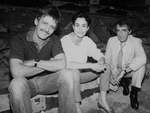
column 20, row 19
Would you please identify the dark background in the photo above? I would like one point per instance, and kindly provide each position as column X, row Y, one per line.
column 136, row 5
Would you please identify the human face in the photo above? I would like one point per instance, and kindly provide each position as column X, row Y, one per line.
column 80, row 27
column 122, row 33
column 45, row 27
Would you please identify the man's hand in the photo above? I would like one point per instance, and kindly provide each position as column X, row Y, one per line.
column 29, row 63
column 116, row 79
column 120, row 75
column 147, row 71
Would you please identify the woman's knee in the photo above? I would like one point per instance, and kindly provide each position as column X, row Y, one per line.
column 107, row 66
column 67, row 76
column 76, row 74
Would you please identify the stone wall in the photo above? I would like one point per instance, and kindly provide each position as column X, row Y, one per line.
column 20, row 19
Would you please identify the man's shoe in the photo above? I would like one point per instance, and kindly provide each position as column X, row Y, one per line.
column 125, row 90
column 125, row 84
column 133, row 98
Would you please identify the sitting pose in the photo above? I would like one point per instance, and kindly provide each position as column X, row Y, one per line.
column 127, row 58
column 33, row 69
column 78, row 48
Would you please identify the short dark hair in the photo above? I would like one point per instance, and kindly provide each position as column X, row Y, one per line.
column 123, row 22
column 49, row 11
column 81, row 15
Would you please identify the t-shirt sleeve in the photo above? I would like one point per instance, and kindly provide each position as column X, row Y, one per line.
column 17, row 49
column 93, row 51
column 57, row 47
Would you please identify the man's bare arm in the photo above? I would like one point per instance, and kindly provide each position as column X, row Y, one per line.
column 18, row 68
column 58, row 63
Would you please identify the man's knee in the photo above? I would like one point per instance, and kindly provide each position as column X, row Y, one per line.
column 17, row 86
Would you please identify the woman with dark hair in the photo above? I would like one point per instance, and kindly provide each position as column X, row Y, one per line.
column 78, row 48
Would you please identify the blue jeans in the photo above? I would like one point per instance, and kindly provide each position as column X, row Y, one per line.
column 22, row 90
column 88, row 75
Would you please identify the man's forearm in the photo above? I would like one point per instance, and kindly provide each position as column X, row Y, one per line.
column 52, row 65
column 34, row 71
column 127, row 71
column 26, row 71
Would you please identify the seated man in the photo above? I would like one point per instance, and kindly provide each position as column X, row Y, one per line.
column 127, row 58
column 33, row 69
column 78, row 48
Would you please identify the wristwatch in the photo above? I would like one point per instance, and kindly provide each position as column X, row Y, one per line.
column 36, row 61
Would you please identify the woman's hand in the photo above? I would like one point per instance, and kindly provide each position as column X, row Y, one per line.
column 97, row 67
column 101, row 61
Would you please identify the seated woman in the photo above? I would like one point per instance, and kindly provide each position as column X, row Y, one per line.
column 78, row 48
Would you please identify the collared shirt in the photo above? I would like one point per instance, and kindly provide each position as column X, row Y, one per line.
column 134, row 54
column 117, row 48
column 30, row 39
column 24, row 48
